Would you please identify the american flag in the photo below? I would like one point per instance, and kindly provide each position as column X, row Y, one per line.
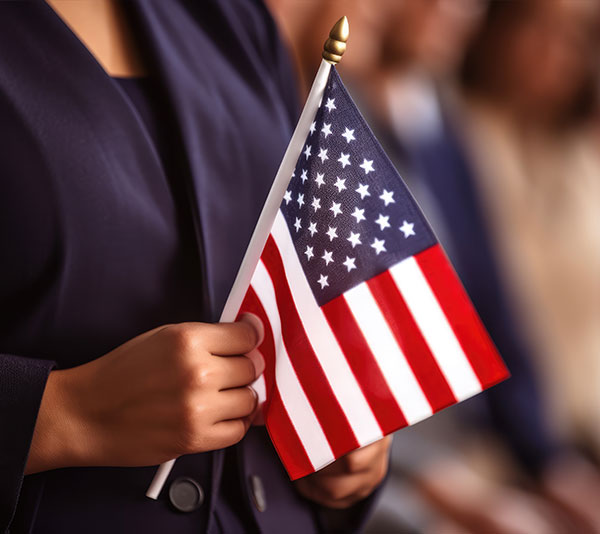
column 367, row 328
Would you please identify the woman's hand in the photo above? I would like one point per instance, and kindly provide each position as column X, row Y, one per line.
column 178, row 389
column 349, row 479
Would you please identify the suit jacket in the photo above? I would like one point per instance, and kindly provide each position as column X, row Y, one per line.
column 98, row 244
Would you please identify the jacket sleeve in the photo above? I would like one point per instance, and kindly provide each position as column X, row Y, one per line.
column 22, row 383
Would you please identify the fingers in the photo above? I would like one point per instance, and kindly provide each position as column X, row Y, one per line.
column 335, row 493
column 227, row 433
column 349, row 479
column 258, row 360
column 236, row 371
column 228, row 339
column 361, row 460
column 236, row 403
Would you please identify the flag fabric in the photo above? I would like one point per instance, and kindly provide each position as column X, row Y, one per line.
column 367, row 328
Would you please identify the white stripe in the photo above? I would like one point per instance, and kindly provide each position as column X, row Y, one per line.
column 294, row 399
column 260, row 387
column 438, row 334
column 328, row 352
column 392, row 361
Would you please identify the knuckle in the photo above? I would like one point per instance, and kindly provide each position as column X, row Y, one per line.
column 202, row 376
column 183, row 340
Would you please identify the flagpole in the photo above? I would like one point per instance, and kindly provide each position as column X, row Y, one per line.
column 333, row 49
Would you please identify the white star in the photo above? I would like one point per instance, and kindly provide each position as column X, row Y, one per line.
column 387, row 197
column 363, row 191
column 349, row 135
column 344, row 159
column 335, row 208
column 378, row 245
column 326, row 130
column 383, row 221
column 316, row 203
column 323, row 281
column 359, row 214
column 293, row 174
column 340, row 184
column 330, row 104
column 349, row 263
column 304, row 176
column 319, row 179
column 312, row 128
column 328, row 257
column 367, row 165
column 354, row 239
column 407, row 229
column 312, row 228
column 309, row 253
column 307, row 151
column 287, row 197
column 300, row 200
column 332, row 233
column 323, row 155
column 297, row 224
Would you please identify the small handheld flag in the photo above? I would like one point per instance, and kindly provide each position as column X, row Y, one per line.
column 367, row 328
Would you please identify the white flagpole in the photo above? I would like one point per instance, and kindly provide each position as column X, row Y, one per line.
column 333, row 50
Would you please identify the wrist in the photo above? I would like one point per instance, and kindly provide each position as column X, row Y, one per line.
column 58, row 438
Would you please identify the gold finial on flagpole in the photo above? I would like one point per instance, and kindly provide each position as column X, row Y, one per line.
column 335, row 46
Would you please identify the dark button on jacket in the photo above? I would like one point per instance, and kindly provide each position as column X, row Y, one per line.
column 185, row 494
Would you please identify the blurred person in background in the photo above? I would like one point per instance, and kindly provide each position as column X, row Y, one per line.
column 538, row 171
column 530, row 89
column 401, row 64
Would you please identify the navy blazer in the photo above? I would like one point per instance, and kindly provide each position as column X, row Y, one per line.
column 98, row 246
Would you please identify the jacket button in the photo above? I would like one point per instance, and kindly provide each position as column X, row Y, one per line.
column 185, row 494
column 257, row 491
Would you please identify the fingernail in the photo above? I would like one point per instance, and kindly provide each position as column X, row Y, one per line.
column 257, row 360
column 255, row 321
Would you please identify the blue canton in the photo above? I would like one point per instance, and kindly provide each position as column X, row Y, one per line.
column 350, row 215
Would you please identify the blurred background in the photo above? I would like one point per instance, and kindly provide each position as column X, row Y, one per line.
column 490, row 111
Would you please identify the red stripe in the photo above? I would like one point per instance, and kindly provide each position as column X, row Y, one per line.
column 335, row 425
column 411, row 341
column 363, row 365
column 286, row 440
column 462, row 317
column 282, row 431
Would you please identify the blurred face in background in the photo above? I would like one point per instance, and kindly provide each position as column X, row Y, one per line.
column 430, row 33
column 542, row 56
column 385, row 35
